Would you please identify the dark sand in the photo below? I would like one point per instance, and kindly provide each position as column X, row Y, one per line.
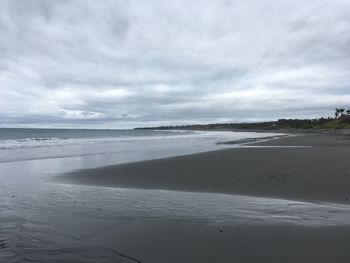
column 160, row 243
column 320, row 173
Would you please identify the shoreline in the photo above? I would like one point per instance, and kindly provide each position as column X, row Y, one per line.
column 318, row 173
column 254, row 140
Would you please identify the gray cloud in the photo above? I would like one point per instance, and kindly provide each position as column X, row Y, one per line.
column 132, row 63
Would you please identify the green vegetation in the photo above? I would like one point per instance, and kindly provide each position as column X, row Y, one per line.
column 340, row 121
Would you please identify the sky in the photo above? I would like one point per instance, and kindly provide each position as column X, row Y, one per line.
column 123, row 64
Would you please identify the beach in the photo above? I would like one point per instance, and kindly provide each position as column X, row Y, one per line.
column 174, row 131
column 308, row 167
column 267, row 200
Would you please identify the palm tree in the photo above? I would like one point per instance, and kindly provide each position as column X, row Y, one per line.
column 341, row 112
column 336, row 112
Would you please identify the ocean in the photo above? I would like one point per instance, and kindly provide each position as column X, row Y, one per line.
column 111, row 146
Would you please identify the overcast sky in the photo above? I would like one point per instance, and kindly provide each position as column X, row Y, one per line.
column 119, row 64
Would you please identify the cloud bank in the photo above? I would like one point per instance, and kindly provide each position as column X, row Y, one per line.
column 120, row 64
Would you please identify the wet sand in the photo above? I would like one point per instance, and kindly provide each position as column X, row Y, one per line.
column 244, row 243
column 318, row 172
column 259, row 203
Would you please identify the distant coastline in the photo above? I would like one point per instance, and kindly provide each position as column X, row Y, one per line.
column 339, row 124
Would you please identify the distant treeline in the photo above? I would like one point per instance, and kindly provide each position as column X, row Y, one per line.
column 340, row 121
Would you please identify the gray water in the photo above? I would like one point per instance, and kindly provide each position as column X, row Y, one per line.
column 43, row 221
column 117, row 145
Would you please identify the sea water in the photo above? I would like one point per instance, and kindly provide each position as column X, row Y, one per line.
column 116, row 146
